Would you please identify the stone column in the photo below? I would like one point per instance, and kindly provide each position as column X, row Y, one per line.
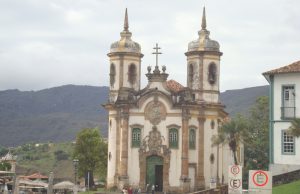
column 200, row 173
column 123, row 176
column 185, row 152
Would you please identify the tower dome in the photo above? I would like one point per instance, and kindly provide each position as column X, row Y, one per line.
column 125, row 44
column 204, row 43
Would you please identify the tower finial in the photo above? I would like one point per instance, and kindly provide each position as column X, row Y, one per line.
column 203, row 25
column 126, row 25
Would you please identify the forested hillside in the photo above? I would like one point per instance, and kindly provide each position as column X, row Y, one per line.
column 54, row 114
column 57, row 114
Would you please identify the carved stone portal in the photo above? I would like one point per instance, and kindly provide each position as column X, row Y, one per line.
column 152, row 145
column 155, row 112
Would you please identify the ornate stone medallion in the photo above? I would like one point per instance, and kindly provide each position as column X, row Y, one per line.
column 155, row 112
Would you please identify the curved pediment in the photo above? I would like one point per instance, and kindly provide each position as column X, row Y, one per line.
column 152, row 94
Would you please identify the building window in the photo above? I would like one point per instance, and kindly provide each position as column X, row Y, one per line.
column 212, row 73
column 173, row 138
column 112, row 74
column 132, row 74
column 288, row 108
column 212, row 124
column 136, row 137
column 192, row 139
column 288, row 143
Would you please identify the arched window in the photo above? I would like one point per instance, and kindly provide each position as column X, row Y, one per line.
column 132, row 74
column 112, row 74
column 212, row 124
column 191, row 73
column 212, row 73
column 136, row 137
column 192, row 139
column 173, row 138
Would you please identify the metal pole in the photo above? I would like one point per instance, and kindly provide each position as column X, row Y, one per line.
column 88, row 180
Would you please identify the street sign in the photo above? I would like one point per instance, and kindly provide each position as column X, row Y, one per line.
column 235, row 183
column 260, row 181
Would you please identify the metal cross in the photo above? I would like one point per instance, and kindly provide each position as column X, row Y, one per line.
column 156, row 53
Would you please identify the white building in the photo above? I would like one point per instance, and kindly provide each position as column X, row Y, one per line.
column 161, row 134
column 284, row 107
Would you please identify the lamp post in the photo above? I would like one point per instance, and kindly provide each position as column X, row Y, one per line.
column 75, row 163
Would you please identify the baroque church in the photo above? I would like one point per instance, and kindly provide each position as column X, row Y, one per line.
column 161, row 135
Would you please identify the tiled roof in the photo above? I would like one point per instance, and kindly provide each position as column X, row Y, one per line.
column 174, row 86
column 292, row 68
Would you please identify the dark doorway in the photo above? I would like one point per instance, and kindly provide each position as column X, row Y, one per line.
column 158, row 177
column 154, row 172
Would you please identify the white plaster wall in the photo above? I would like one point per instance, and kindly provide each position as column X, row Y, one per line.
column 193, row 154
column 133, row 156
column 211, row 97
column 167, row 104
column 280, row 158
column 111, row 167
column 210, row 170
column 207, row 152
column 279, row 81
column 175, row 162
column 227, row 159
column 133, row 153
column 192, row 176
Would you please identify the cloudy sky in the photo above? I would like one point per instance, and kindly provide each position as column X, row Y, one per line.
column 46, row 43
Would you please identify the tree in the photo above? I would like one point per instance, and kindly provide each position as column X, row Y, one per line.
column 231, row 132
column 61, row 155
column 294, row 129
column 5, row 166
column 256, row 137
column 91, row 151
column 3, row 150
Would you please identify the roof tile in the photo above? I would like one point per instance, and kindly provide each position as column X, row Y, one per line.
column 292, row 68
column 174, row 86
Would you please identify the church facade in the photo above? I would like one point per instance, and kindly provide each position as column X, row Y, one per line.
column 161, row 135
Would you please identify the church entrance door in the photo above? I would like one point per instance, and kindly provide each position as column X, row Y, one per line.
column 154, row 174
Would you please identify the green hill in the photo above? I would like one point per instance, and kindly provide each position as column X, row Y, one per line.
column 57, row 114
column 45, row 158
column 54, row 114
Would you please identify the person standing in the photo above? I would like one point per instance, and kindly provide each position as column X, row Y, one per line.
column 147, row 189
column 130, row 190
column 152, row 189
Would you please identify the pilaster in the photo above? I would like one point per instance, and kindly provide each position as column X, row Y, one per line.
column 185, row 180
column 123, row 176
column 200, row 173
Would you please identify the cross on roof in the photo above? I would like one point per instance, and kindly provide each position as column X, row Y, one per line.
column 156, row 53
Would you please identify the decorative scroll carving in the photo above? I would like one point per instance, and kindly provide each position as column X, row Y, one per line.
column 153, row 143
column 155, row 112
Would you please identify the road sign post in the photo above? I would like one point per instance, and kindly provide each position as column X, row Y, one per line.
column 235, row 183
column 260, row 181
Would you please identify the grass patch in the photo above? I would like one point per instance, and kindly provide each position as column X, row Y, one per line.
column 290, row 188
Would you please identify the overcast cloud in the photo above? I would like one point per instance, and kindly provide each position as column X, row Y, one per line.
column 46, row 43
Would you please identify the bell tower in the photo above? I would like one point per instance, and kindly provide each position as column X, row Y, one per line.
column 203, row 66
column 125, row 63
